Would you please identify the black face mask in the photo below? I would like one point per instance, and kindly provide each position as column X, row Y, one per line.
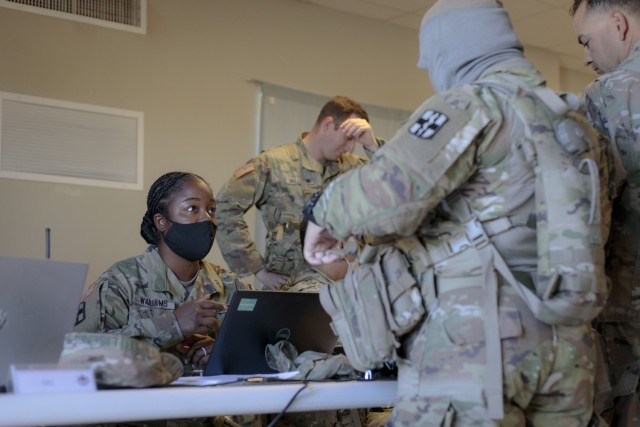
column 191, row 241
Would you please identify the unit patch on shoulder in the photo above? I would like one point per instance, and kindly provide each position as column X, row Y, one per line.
column 89, row 291
column 429, row 123
column 249, row 167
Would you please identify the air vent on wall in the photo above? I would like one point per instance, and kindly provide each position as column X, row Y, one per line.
column 59, row 141
column 129, row 15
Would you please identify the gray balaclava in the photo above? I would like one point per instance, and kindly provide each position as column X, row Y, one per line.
column 460, row 39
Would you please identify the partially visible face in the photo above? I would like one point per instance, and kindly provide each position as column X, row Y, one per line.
column 596, row 33
column 335, row 142
column 193, row 203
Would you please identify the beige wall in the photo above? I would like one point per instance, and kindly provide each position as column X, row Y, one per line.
column 575, row 81
column 189, row 75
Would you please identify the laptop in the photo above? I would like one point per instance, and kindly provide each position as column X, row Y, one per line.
column 257, row 318
column 38, row 306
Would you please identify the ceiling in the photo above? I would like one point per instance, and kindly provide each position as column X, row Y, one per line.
column 544, row 24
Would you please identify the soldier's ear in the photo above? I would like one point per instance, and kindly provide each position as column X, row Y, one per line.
column 621, row 24
column 328, row 123
column 160, row 222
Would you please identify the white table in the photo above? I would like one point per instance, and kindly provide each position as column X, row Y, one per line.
column 186, row 402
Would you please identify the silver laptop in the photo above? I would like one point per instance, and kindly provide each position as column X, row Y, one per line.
column 38, row 305
column 257, row 318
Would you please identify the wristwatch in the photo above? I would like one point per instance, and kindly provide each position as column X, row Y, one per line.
column 307, row 210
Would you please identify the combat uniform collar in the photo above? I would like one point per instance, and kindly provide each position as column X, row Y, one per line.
column 312, row 273
column 328, row 169
column 162, row 279
column 516, row 72
column 307, row 161
column 634, row 55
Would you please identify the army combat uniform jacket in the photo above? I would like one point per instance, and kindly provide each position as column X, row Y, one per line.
column 136, row 297
column 612, row 105
column 462, row 144
column 278, row 182
column 308, row 280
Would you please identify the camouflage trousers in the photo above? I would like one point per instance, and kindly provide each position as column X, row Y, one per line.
column 619, row 403
column 548, row 372
column 337, row 418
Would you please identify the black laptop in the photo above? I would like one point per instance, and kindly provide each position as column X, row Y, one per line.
column 257, row 318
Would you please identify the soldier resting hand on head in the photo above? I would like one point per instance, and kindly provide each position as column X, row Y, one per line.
column 279, row 181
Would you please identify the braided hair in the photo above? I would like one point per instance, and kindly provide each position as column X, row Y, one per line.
column 158, row 198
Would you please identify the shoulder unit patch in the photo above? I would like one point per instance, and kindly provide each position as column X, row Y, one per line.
column 429, row 123
column 249, row 167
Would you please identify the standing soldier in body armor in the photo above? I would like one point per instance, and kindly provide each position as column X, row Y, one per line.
column 609, row 30
column 459, row 175
column 278, row 182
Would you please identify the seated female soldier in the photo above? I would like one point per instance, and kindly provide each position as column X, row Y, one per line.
column 168, row 296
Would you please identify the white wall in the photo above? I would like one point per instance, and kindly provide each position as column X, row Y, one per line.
column 190, row 76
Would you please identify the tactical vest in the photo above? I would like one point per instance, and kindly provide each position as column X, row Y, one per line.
column 569, row 287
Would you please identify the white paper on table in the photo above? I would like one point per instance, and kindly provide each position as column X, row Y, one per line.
column 227, row 379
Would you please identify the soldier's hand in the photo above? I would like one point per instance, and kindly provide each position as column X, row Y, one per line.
column 269, row 280
column 318, row 245
column 361, row 131
column 199, row 316
column 198, row 349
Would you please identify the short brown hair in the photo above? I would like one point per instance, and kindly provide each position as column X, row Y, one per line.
column 340, row 108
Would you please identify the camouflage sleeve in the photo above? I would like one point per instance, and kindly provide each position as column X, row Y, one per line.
column 107, row 307
column 369, row 153
column 431, row 155
column 592, row 98
column 243, row 190
column 607, row 106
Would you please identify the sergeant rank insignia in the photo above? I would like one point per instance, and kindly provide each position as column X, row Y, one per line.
column 429, row 123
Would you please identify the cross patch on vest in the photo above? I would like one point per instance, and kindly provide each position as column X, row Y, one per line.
column 429, row 123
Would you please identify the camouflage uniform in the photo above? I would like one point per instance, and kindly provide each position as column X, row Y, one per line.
column 612, row 105
column 278, row 182
column 136, row 297
column 462, row 141
column 308, row 280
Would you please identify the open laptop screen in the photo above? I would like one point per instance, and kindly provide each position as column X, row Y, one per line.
column 257, row 318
